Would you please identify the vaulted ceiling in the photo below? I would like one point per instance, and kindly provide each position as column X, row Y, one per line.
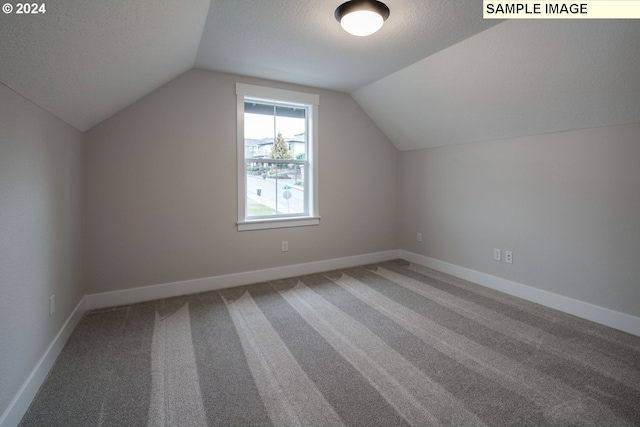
column 436, row 74
column 519, row 78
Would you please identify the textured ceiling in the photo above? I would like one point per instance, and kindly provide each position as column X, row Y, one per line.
column 84, row 60
column 522, row 77
column 435, row 74
column 299, row 41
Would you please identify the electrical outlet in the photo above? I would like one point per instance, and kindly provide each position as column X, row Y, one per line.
column 285, row 246
column 508, row 257
column 497, row 254
column 419, row 237
column 52, row 305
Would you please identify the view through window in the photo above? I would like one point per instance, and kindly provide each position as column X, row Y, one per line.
column 276, row 166
column 277, row 180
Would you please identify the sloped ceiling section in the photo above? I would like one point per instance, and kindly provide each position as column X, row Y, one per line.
column 461, row 78
column 299, row 41
column 85, row 60
column 518, row 78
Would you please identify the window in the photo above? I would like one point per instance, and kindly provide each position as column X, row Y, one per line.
column 277, row 158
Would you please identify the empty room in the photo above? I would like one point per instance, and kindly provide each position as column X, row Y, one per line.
column 302, row 212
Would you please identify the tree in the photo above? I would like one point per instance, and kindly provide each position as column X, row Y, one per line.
column 279, row 150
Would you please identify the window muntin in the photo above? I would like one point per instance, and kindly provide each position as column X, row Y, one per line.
column 277, row 180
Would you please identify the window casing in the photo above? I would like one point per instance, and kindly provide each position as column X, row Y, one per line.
column 277, row 158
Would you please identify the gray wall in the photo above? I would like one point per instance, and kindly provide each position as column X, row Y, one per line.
column 567, row 204
column 41, row 234
column 161, row 188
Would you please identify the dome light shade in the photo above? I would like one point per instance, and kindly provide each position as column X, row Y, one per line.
column 362, row 17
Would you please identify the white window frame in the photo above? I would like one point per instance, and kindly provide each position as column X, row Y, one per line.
column 311, row 101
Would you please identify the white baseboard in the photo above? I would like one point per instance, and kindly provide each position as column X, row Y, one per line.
column 148, row 293
column 585, row 310
column 604, row 316
column 20, row 403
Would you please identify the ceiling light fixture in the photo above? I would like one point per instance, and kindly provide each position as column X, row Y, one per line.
column 362, row 17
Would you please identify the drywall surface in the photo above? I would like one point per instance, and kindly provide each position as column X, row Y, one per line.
column 161, row 192
column 567, row 204
column 41, row 234
column 86, row 60
column 521, row 77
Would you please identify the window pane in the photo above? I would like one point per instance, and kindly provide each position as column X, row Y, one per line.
column 258, row 134
column 292, row 131
column 274, row 190
column 261, row 190
column 274, row 131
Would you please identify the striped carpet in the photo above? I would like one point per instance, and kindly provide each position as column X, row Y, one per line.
column 390, row 344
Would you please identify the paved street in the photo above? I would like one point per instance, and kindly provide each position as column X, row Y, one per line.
column 269, row 197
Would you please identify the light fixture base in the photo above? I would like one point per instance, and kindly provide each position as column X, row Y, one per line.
column 362, row 17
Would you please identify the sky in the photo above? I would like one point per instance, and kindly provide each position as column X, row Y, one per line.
column 258, row 126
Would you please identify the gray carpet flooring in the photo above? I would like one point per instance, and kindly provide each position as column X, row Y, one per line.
column 390, row 344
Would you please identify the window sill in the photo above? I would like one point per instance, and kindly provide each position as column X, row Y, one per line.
column 261, row 224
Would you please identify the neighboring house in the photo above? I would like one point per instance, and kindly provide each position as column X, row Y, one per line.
column 262, row 147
